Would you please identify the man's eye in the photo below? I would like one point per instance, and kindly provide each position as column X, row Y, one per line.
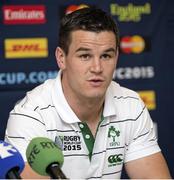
column 85, row 56
column 106, row 56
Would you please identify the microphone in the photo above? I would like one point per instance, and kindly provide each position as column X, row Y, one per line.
column 45, row 158
column 11, row 161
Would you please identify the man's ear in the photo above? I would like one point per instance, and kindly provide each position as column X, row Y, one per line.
column 60, row 58
column 117, row 53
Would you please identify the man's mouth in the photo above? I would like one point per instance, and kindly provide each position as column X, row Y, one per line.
column 96, row 81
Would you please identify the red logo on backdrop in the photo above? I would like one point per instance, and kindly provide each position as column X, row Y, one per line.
column 24, row 14
column 134, row 44
column 73, row 7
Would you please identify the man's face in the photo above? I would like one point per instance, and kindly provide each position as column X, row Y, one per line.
column 89, row 65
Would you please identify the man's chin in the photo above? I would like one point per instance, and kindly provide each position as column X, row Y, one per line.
column 95, row 96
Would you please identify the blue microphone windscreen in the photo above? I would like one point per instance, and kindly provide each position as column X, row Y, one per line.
column 9, row 158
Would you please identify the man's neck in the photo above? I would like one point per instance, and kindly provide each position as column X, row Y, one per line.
column 89, row 112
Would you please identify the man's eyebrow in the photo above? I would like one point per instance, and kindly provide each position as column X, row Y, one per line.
column 83, row 49
column 110, row 50
column 88, row 49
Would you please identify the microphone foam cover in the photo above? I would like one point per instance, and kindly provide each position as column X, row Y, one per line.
column 9, row 158
column 41, row 152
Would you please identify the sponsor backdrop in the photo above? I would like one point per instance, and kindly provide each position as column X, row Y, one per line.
column 29, row 36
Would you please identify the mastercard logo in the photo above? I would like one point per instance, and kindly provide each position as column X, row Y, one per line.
column 72, row 8
column 132, row 44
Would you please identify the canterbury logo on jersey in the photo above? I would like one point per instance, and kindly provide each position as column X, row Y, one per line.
column 116, row 159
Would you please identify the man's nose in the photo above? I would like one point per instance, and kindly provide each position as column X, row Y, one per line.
column 96, row 65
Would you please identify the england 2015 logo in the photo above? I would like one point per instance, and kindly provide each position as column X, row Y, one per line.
column 69, row 143
column 114, row 134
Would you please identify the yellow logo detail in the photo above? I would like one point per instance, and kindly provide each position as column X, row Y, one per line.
column 130, row 12
column 149, row 99
column 139, row 44
column 26, row 48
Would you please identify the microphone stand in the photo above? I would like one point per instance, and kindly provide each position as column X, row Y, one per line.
column 13, row 174
column 55, row 172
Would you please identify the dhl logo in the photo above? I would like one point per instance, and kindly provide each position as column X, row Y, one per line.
column 149, row 99
column 26, row 48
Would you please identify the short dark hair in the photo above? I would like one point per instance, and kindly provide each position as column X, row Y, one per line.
column 88, row 19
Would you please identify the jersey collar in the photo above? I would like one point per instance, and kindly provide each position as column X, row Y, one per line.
column 64, row 110
column 109, row 105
